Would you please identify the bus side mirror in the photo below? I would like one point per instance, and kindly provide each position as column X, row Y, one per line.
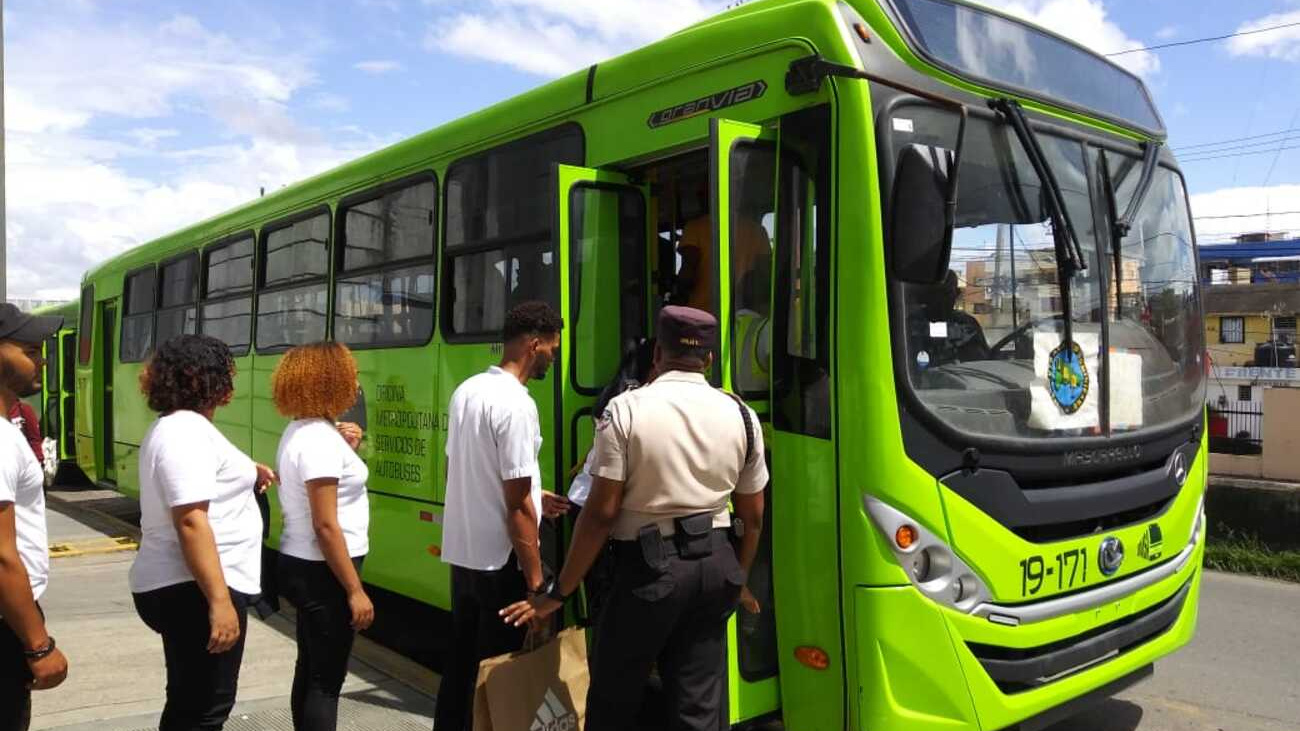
column 919, row 224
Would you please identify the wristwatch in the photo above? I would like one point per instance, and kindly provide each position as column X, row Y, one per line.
column 553, row 591
column 42, row 652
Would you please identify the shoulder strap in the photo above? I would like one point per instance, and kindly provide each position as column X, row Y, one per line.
column 749, row 427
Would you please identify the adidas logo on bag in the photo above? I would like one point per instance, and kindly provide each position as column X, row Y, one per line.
column 552, row 715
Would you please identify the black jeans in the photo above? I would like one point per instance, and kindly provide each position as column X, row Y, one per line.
column 676, row 617
column 324, row 640
column 200, row 686
column 477, row 633
column 15, row 698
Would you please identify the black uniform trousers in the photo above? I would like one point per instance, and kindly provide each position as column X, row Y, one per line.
column 200, row 686
column 477, row 633
column 15, row 698
column 675, row 617
column 325, row 636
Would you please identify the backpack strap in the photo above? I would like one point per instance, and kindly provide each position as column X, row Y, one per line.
column 749, row 427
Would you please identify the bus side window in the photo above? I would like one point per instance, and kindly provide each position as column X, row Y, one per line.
column 228, row 293
column 178, row 293
column 293, row 300
column 497, row 240
column 138, row 315
column 752, row 218
column 801, row 361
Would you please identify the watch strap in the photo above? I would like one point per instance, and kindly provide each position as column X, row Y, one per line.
column 42, row 652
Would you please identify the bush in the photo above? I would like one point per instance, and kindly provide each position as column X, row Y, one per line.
column 1243, row 553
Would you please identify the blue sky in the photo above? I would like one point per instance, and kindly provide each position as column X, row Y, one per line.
column 130, row 118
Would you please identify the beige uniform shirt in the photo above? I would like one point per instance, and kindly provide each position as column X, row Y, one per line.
column 678, row 445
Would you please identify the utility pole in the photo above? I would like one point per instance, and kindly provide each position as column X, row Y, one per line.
column 4, row 232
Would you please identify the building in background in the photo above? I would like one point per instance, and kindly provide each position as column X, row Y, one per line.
column 27, row 304
column 1252, row 324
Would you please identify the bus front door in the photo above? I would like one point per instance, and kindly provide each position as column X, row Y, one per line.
column 107, row 362
column 742, row 175
column 602, row 238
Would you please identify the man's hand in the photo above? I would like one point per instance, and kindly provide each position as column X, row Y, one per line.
column 553, row 506
column 225, row 627
column 49, row 671
column 531, row 611
column 265, row 477
column 351, row 433
column 748, row 602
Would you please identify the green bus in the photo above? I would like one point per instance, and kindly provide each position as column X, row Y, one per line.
column 956, row 277
column 56, row 403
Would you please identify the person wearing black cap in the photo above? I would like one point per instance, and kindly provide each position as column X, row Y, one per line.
column 29, row 659
column 668, row 458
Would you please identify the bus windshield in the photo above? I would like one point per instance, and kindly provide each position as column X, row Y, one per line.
column 986, row 350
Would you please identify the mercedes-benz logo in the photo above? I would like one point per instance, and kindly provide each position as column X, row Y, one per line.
column 1179, row 468
column 1110, row 555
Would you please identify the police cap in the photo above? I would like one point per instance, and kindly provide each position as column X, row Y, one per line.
column 687, row 327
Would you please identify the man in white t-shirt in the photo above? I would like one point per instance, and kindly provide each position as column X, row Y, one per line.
column 494, row 504
column 29, row 659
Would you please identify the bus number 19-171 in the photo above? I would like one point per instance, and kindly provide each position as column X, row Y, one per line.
column 1071, row 570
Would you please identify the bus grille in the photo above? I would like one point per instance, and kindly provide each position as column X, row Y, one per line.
column 1015, row 670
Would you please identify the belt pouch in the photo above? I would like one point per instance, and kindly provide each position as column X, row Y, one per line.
column 653, row 550
column 693, row 535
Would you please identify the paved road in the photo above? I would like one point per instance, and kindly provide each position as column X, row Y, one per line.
column 1241, row 673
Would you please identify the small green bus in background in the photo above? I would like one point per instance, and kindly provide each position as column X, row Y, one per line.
column 56, row 403
column 956, row 276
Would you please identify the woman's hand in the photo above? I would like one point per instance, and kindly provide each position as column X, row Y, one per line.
column 363, row 611
column 224, row 622
column 265, row 477
column 553, row 506
column 351, row 433
column 530, row 611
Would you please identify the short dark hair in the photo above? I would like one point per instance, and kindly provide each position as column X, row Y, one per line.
column 188, row 373
column 531, row 318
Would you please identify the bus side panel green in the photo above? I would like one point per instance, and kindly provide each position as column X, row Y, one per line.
column 131, row 418
column 908, row 674
column 267, row 427
column 804, row 556
column 235, row 418
column 404, row 421
column 404, row 555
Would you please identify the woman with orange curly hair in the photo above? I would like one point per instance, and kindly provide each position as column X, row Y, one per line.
column 326, row 520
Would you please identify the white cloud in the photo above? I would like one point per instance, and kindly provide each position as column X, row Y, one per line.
column 330, row 102
column 1246, row 200
column 1084, row 22
column 1283, row 43
column 1168, row 32
column 555, row 37
column 82, row 189
column 378, row 66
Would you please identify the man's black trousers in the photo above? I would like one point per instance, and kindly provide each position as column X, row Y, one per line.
column 675, row 617
column 477, row 633
column 200, row 686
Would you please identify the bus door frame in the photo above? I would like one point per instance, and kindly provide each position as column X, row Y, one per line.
column 575, row 399
column 107, row 363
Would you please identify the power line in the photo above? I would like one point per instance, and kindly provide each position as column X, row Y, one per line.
column 1240, row 154
column 1246, row 215
column 1248, row 145
column 1231, row 140
column 1205, row 40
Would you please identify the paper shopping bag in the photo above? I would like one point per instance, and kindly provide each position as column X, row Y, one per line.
column 541, row 690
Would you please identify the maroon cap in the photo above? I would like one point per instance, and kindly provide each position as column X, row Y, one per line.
column 687, row 327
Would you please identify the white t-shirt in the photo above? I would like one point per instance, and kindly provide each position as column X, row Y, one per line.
column 22, row 483
column 311, row 449
column 494, row 435
column 580, row 488
column 185, row 460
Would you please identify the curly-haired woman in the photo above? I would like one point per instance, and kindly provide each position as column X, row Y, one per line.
column 199, row 564
column 326, row 523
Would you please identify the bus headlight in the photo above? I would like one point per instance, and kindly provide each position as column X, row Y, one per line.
column 930, row 564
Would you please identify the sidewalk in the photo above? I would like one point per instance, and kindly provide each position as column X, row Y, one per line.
column 116, row 677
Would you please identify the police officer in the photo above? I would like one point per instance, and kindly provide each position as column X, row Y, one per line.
column 668, row 458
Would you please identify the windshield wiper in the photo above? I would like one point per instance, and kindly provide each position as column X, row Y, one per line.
column 1069, row 255
column 1120, row 226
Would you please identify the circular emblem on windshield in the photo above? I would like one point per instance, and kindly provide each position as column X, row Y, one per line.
column 1179, row 468
column 1067, row 376
column 1110, row 555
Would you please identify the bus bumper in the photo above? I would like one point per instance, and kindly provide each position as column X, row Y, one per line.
column 923, row 666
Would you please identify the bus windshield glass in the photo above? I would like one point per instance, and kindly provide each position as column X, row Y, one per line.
column 1010, row 54
column 986, row 349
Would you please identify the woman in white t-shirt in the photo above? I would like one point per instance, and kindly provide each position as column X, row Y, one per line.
column 326, row 523
column 199, row 565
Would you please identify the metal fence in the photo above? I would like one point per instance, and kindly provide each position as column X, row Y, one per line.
column 1236, row 427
